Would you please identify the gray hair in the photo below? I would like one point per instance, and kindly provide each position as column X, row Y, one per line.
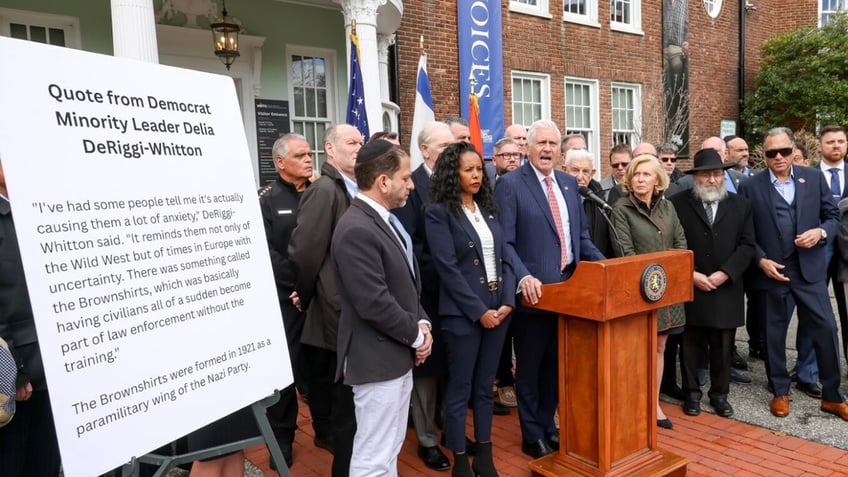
column 281, row 145
column 429, row 129
column 578, row 155
column 542, row 124
column 778, row 131
column 456, row 119
column 503, row 142
column 666, row 148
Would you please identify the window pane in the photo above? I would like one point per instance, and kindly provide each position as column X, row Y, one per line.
column 37, row 33
column 297, row 70
column 320, row 74
column 18, row 31
column 299, row 107
column 308, row 73
column 321, row 96
column 310, row 103
column 57, row 37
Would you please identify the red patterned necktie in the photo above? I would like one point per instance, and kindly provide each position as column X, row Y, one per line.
column 552, row 202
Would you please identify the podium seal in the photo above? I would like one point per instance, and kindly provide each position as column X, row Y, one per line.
column 654, row 282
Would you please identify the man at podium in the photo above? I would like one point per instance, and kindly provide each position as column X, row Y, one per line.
column 546, row 235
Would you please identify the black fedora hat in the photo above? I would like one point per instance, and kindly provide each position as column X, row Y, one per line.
column 708, row 160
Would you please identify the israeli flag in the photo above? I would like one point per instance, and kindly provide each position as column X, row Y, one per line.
column 423, row 112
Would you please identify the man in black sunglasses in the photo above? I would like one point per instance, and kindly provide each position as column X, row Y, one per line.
column 794, row 217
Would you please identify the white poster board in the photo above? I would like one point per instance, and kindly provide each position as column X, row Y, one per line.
column 143, row 246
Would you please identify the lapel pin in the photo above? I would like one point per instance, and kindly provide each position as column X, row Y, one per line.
column 802, row 180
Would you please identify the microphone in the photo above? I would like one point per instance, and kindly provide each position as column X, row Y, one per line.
column 587, row 193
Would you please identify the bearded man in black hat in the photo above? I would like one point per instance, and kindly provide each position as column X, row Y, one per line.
column 720, row 232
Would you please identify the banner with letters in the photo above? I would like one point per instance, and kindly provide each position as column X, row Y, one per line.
column 481, row 56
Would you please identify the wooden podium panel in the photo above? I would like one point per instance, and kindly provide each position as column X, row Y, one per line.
column 607, row 369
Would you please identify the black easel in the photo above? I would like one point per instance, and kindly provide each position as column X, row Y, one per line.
column 166, row 463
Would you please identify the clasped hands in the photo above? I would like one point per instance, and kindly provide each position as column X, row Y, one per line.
column 709, row 283
column 493, row 318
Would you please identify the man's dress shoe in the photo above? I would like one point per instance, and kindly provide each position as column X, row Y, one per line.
column 553, row 440
column 537, row 448
column 738, row 377
column 722, row 407
column 433, row 458
column 838, row 408
column 810, row 389
column 780, row 406
column 691, row 407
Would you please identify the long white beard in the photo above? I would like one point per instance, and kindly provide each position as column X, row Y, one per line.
column 710, row 195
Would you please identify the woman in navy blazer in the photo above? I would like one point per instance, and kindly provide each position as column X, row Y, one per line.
column 476, row 296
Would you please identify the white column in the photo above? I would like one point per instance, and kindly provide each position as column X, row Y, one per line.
column 365, row 14
column 383, row 44
column 134, row 30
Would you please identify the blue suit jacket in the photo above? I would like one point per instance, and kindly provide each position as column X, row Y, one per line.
column 532, row 242
column 814, row 208
column 458, row 257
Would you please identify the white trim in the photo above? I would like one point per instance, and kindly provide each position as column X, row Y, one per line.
column 594, row 143
column 539, row 10
column 843, row 6
column 589, row 19
column 716, row 8
column 545, row 90
column 635, row 25
column 69, row 24
column 637, row 108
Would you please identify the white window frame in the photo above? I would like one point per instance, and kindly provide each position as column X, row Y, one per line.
column 713, row 7
column 822, row 12
column 545, row 89
column 541, row 8
column 594, row 141
column 636, row 132
column 589, row 19
column 635, row 25
column 70, row 25
column 332, row 92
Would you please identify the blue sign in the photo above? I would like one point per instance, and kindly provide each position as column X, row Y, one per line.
column 481, row 56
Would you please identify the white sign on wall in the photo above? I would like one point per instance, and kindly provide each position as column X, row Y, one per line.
column 143, row 246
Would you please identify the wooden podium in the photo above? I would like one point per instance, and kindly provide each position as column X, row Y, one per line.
column 607, row 367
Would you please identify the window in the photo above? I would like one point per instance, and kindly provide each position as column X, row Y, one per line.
column 626, row 16
column 581, row 11
column 581, row 110
column 55, row 30
column 713, row 7
column 312, row 96
column 531, row 97
column 828, row 8
column 530, row 7
column 626, row 113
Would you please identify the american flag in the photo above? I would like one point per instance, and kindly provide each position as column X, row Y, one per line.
column 356, row 115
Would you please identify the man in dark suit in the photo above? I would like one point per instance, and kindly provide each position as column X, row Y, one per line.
column 383, row 330
column 546, row 235
column 321, row 207
column 833, row 146
column 794, row 217
column 579, row 164
column 278, row 202
column 720, row 232
column 28, row 445
column 432, row 140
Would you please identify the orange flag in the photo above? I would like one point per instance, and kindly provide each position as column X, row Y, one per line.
column 474, row 124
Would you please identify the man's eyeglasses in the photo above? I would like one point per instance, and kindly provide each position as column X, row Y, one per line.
column 783, row 151
column 669, row 159
column 509, row 155
column 619, row 165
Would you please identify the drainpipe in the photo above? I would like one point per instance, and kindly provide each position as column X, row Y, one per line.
column 741, row 80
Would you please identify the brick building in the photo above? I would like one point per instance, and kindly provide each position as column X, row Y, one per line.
column 585, row 62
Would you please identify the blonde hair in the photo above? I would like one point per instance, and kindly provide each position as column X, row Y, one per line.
column 659, row 171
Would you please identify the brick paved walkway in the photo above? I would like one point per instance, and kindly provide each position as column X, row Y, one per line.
column 715, row 447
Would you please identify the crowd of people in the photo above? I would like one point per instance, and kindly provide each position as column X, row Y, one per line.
column 404, row 293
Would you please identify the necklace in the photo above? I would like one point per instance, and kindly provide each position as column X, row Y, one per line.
column 474, row 214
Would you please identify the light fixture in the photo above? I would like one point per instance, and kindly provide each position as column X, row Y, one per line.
column 225, row 36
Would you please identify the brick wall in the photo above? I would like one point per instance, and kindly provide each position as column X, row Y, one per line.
column 562, row 49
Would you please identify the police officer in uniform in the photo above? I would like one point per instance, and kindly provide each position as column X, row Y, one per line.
column 279, row 201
